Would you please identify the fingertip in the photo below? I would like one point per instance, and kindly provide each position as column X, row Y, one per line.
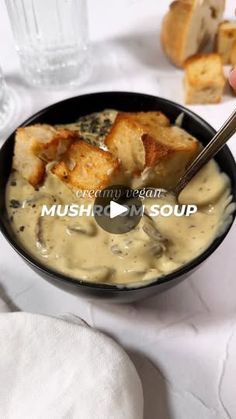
column 232, row 78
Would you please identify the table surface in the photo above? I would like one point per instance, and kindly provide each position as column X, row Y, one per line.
column 183, row 341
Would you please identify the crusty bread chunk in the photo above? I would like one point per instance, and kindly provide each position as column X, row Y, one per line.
column 233, row 54
column 86, row 167
column 165, row 169
column 35, row 146
column 204, row 79
column 225, row 41
column 188, row 26
column 130, row 139
column 161, row 151
column 149, row 119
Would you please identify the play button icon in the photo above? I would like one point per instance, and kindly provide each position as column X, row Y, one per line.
column 118, row 209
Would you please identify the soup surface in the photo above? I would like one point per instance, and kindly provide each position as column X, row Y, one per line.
column 79, row 248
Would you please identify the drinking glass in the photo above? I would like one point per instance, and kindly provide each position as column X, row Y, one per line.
column 5, row 102
column 51, row 38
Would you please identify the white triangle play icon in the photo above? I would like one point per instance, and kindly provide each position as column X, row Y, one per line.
column 117, row 209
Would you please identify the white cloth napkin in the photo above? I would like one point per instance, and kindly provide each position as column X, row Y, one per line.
column 57, row 368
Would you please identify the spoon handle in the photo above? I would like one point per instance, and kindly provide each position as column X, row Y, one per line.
column 217, row 142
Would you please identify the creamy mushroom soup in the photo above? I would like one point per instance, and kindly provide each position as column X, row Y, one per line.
column 78, row 248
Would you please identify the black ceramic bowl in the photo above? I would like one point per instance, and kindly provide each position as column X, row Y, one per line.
column 68, row 111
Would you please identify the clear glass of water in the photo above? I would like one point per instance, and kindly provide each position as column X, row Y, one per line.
column 52, row 40
column 5, row 103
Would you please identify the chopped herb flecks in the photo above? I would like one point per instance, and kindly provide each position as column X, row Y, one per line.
column 14, row 203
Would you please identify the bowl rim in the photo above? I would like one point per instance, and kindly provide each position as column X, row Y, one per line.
column 79, row 283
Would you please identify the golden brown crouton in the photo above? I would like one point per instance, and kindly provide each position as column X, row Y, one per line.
column 166, row 150
column 204, row 79
column 149, row 119
column 233, row 54
column 154, row 150
column 37, row 145
column 180, row 149
column 127, row 139
column 85, row 166
column 225, row 40
column 125, row 142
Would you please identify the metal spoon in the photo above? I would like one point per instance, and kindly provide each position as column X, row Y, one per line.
column 215, row 145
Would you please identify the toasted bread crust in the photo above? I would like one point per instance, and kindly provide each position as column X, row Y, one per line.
column 188, row 26
column 204, row 57
column 233, row 54
column 38, row 172
column 173, row 36
column 136, row 142
column 124, row 133
column 142, row 126
column 141, row 145
column 150, row 118
column 204, row 79
column 85, row 167
column 36, row 145
column 55, row 148
column 226, row 40
column 154, row 150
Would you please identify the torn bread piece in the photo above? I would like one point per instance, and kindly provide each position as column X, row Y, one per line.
column 128, row 134
column 168, row 168
column 174, row 149
column 160, row 152
column 233, row 54
column 149, row 119
column 87, row 167
column 225, row 40
column 37, row 145
column 188, row 26
column 204, row 79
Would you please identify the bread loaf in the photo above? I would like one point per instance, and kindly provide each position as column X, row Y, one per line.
column 188, row 26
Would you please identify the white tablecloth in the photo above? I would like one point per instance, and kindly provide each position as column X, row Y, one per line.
column 183, row 342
